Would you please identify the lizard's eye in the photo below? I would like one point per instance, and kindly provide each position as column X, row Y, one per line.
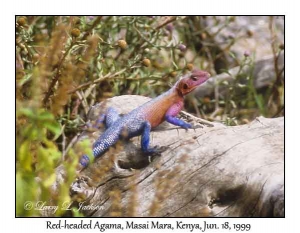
column 185, row 86
column 194, row 78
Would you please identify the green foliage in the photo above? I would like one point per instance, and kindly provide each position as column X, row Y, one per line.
column 64, row 65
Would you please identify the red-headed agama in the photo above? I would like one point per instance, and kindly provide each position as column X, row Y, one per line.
column 143, row 119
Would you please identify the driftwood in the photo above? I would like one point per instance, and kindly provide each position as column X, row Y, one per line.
column 212, row 170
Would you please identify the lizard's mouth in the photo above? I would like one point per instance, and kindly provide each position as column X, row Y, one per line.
column 190, row 89
column 185, row 89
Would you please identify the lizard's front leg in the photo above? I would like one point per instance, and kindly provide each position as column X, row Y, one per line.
column 172, row 112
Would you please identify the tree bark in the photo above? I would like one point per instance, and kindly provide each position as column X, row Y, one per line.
column 212, row 170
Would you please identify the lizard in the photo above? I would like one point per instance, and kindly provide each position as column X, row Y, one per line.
column 146, row 117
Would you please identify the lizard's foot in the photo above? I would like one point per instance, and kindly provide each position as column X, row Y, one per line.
column 157, row 150
column 197, row 126
column 187, row 126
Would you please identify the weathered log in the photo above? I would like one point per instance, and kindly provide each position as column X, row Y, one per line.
column 209, row 171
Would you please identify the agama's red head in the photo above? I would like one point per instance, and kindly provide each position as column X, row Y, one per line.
column 190, row 81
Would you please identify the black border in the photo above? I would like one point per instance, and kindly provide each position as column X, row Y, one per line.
column 91, row 217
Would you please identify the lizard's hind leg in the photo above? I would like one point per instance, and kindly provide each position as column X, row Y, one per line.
column 112, row 116
column 145, row 141
column 108, row 118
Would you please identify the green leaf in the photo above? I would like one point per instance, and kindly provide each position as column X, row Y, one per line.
column 25, row 79
column 50, row 180
column 231, row 54
column 26, row 111
column 24, row 157
column 45, row 116
column 53, row 127
column 260, row 103
column 77, row 213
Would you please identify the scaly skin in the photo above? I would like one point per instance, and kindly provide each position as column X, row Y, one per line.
column 141, row 120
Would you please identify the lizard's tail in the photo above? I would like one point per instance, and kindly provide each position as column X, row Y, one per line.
column 106, row 140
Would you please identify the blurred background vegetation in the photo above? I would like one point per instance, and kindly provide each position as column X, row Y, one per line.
column 64, row 65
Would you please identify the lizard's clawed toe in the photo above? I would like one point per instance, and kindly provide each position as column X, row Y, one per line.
column 157, row 150
column 197, row 126
column 161, row 149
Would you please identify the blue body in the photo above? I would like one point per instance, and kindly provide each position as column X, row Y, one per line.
column 139, row 121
